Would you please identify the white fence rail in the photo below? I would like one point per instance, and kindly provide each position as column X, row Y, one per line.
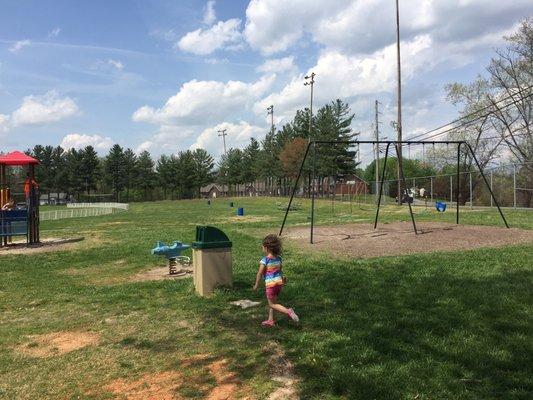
column 74, row 213
column 121, row 206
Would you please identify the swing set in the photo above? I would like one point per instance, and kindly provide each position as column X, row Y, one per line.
column 397, row 145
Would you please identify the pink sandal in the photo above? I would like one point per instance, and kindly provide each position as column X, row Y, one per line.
column 293, row 316
column 268, row 323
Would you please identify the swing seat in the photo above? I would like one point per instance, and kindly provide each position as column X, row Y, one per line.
column 440, row 206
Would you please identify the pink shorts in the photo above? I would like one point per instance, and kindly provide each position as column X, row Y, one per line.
column 273, row 292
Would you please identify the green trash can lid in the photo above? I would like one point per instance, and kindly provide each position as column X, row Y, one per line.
column 209, row 237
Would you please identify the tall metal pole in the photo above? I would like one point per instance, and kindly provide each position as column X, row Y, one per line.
column 310, row 81
column 399, row 118
column 294, row 189
column 376, row 147
column 381, row 184
column 486, row 183
column 222, row 133
column 402, row 176
column 313, row 194
column 270, row 111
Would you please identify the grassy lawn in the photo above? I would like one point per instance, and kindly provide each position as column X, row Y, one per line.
column 435, row 326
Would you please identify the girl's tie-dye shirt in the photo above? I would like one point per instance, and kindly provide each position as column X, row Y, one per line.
column 273, row 275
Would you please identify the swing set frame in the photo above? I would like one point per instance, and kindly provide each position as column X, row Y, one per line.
column 397, row 144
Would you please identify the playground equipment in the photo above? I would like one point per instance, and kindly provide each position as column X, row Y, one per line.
column 173, row 255
column 397, row 145
column 211, row 255
column 24, row 219
column 440, row 206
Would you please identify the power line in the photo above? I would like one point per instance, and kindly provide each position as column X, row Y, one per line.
column 460, row 125
column 474, row 113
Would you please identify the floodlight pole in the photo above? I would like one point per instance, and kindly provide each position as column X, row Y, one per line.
column 222, row 133
column 270, row 111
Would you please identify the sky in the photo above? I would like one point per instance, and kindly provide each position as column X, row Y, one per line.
column 167, row 75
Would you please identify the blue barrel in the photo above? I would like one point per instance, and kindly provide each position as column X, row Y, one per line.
column 240, row 211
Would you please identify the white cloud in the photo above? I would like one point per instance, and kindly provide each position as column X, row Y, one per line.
column 49, row 107
column 342, row 76
column 364, row 26
column 79, row 141
column 117, row 64
column 201, row 102
column 209, row 13
column 54, row 33
column 17, row 46
column 238, row 136
column 277, row 65
column 206, row 41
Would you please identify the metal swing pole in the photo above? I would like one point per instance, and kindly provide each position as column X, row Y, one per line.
column 487, row 183
column 381, row 184
column 458, row 178
column 294, row 188
column 313, row 194
column 402, row 177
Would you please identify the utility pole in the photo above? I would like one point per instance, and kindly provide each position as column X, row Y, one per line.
column 222, row 133
column 399, row 119
column 376, row 148
column 310, row 81
column 270, row 111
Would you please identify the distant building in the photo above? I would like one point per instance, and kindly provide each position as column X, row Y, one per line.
column 55, row 199
column 352, row 185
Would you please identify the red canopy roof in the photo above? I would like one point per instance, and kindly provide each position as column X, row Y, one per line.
column 17, row 158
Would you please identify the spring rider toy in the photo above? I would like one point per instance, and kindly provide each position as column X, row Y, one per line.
column 172, row 253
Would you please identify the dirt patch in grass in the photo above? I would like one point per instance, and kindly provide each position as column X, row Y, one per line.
column 160, row 274
column 168, row 385
column 57, row 343
column 156, row 386
column 248, row 218
column 283, row 373
column 398, row 238
column 45, row 246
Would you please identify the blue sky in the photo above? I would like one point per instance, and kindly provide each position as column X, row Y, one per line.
column 166, row 75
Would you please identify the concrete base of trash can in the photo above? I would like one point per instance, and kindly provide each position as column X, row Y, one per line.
column 211, row 268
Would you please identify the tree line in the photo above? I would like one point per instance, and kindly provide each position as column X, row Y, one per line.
column 82, row 173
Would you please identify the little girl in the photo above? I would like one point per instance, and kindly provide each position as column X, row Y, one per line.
column 270, row 269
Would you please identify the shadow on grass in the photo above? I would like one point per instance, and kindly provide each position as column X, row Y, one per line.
column 415, row 327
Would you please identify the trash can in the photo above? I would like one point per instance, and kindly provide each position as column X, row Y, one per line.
column 231, row 203
column 211, row 257
column 240, row 211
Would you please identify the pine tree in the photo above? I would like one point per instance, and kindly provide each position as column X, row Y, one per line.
column 114, row 170
column 203, row 169
column 145, row 174
column 90, row 168
column 130, row 164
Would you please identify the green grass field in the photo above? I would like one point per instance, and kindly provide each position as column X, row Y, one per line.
column 434, row 326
